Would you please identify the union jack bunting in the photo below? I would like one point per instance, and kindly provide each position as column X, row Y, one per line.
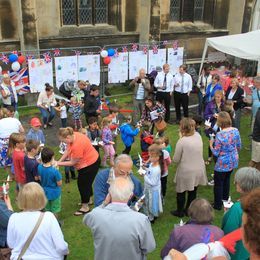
column 21, row 80
column 134, row 47
column 4, row 59
column 47, row 57
column 116, row 52
column 77, row 53
column 145, row 49
column 165, row 43
column 175, row 45
column 15, row 52
column 155, row 49
column 124, row 49
column 56, row 52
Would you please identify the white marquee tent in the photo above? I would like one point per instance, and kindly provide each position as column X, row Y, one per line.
column 245, row 46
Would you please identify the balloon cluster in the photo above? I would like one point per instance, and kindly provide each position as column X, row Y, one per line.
column 106, row 55
column 16, row 61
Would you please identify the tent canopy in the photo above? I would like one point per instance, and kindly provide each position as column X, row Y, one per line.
column 245, row 45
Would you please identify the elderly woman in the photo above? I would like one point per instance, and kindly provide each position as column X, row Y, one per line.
column 152, row 112
column 8, row 125
column 8, row 92
column 48, row 241
column 246, row 179
column 226, row 147
column 198, row 229
column 189, row 173
column 83, row 156
column 236, row 94
column 212, row 88
column 46, row 103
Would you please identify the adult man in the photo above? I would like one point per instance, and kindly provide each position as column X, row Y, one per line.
column 71, row 88
column 164, row 84
column 182, row 89
column 119, row 232
column 122, row 168
column 92, row 103
column 142, row 88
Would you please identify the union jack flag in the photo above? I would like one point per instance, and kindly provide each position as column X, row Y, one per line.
column 134, row 47
column 15, row 52
column 4, row 59
column 124, row 49
column 29, row 57
column 56, row 52
column 165, row 43
column 175, row 45
column 116, row 52
column 155, row 49
column 77, row 53
column 47, row 57
column 145, row 49
column 21, row 80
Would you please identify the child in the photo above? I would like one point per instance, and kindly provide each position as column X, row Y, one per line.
column 166, row 162
column 152, row 183
column 168, row 146
column 107, row 139
column 16, row 149
column 75, row 109
column 63, row 113
column 146, row 139
column 127, row 134
column 198, row 121
column 30, row 161
column 93, row 132
column 51, row 181
column 68, row 169
column 35, row 132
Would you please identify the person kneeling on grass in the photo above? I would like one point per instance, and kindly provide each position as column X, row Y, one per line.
column 51, row 181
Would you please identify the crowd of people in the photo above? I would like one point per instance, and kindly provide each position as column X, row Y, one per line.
column 125, row 206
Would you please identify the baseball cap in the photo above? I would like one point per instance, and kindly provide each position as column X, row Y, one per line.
column 35, row 121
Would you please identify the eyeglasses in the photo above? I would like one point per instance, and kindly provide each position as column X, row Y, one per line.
column 122, row 172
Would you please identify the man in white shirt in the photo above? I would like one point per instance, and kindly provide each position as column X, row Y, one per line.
column 164, row 84
column 182, row 89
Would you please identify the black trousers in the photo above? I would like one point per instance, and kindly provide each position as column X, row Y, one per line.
column 86, row 178
column 164, row 185
column 181, row 199
column 221, row 187
column 127, row 149
column 181, row 99
column 165, row 99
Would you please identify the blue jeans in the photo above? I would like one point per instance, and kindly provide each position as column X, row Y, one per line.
column 63, row 122
column 200, row 99
column 47, row 115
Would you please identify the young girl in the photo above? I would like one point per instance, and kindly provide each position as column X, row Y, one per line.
column 146, row 139
column 75, row 109
column 93, row 132
column 107, row 139
column 16, row 150
column 152, row 183
column 63, row 113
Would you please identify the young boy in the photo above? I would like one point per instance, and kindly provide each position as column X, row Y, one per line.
column 127, row 134
column 93, row 132
column 146, row 139
column 30, row 161
column 51, row 181
column 75, row 109
column 63, row 113
column 35, row 132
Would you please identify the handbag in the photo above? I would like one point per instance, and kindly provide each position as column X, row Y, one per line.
column 5, row 253
column 160, row 125
column 30, row 238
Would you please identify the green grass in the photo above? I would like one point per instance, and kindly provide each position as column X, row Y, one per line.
column 79, row 236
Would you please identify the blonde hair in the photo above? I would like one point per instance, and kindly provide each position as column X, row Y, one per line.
column 235, row 80
column 64, row 132
column 187, row 126
column 106, row 121
column 15, row 138
column 4, row 113
column 159, row 141
column 73, row 99
column 31, row 197
column 219, row 92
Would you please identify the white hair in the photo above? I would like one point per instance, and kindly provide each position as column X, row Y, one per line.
column 124, row 158
column 121, row 189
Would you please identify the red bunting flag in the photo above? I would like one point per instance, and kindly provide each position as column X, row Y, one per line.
column 15, row 52
column 47, row 57
column 125, row 49
column 77, row 53
column 134, row 47
column 4, row 59
column 56, row 52
column 155, row 49
column 145, row 49
column 165, row 43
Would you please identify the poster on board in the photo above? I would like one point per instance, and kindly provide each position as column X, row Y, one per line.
column 175, row 59
column 156, row 59
column 66, row 68
column 118, row 68
column 40, row 73
column 89, row 68
column 137, row 60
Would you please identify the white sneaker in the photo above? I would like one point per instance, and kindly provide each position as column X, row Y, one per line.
column 211, row 183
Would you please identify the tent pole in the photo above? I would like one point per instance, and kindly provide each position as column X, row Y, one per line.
column 203, row 55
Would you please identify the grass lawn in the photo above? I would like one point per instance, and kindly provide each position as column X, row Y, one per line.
column 79, row 237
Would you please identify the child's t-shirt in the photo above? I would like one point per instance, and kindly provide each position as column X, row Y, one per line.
column 63, row 112
column 49, row 178
column 18, row 162
column 152, row 179
column 30, row 168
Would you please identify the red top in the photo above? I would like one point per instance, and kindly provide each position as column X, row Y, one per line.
column 18, row 161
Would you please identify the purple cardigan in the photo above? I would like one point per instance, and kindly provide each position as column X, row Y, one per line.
column 186, row 236
column 211, row 109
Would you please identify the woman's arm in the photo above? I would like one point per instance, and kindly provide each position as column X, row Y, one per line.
column 21, row 129
column 217, row 146
column 4, row 95
column 71, row 162
column 178, row 152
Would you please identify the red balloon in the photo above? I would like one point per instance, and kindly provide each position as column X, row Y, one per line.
column 21, row 59
column 107, row 60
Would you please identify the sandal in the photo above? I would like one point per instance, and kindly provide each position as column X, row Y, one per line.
column 81, row 212
column 207, row 162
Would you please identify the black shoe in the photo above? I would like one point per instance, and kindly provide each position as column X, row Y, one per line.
column 215, row 207
column 73, row 177
column 177, row 213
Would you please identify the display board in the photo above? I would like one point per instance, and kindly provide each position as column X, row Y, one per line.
column 118, row 68
column 137, row 60
column 175, row 59
column 156, row 59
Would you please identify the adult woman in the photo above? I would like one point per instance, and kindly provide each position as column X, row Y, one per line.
column 48, row 241
column 8, row 92
column 46, row 103
column 189, row 173
column 212, row 88
column 84, row 157
column 236, row 94
column 246, row 179
column 8, row 125
column 152, row 112
column 226, row 147
column 197, row 230
column 211, row 113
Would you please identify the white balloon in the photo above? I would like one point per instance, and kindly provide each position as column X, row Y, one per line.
column 15, row 66
column 1, row 69
column 104, row 54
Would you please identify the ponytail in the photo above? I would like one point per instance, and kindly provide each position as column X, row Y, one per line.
column 64, row 132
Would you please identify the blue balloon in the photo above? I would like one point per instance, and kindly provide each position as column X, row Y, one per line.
column 13, row 57
column 111, row 52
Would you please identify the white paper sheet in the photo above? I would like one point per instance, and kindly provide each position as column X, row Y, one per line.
column 118, row 68
column 175, row 59
column 157, row 59
column 137, row 61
